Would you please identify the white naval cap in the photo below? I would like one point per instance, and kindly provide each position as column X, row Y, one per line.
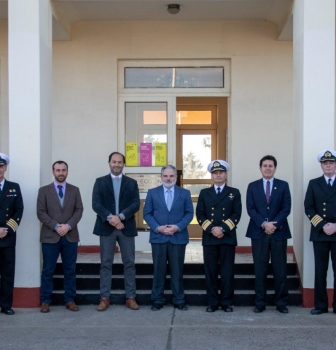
column 218, row 164
column 326, row 155
column 4, row 159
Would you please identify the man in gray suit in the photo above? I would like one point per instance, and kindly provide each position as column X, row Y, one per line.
column 115, row 199
column 59, row 208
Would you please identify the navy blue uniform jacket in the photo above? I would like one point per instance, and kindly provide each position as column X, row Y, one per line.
column 320, row 207
column 222, row 210
column 157, row 214
column 277, row 209
column 11, row 210
column 103, row 203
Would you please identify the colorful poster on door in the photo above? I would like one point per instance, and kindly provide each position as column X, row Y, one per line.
column 131, row 154
column 160, row 154
column 145, row 154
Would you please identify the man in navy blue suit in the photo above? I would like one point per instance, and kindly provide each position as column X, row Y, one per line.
column 168, row 211
column 268, row 204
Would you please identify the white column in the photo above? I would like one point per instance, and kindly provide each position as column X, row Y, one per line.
column 30, row 58
column 314, row 112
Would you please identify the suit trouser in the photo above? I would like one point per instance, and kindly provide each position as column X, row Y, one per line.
column 174, row 254
column 127, row 249
column 50, row 252
column 219, row 258
column 7, row 272
column 321, row 254
column 262, row 249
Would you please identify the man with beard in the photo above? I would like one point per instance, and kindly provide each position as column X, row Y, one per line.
column 59, row 208
column 115, row 199
column 218, row 212
column 168, row 211
column 11, row 210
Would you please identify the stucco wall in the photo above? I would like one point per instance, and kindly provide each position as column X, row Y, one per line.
column 85, row 95
column 3, row 86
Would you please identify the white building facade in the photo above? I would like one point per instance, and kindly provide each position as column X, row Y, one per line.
column 63, row 95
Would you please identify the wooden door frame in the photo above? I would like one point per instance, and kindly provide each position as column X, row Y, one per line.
column 220, row 137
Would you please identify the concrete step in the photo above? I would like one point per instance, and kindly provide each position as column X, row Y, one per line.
column 147, row 269
column 193, row 297
column 191, row 282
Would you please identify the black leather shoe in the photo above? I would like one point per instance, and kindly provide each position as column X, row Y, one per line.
column 259, row 309
column 156, row 307
column 211, row 308
column 282, row 309
column 318, row 311
column 7, row 311
column 181, row 307
column 227, row 308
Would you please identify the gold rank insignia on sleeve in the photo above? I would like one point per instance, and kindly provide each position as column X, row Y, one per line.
column 206, row 224
column 230, row 223
column 316, row 220
column 12, row 224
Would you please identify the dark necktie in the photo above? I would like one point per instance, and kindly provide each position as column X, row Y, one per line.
column 218, row 190
column 329, row 183
column 0, row 187
column 60, row 191
column 268, row 191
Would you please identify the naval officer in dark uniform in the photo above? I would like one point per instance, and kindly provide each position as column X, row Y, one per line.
column 218, row 212
column 321, row 209
column 11, row 209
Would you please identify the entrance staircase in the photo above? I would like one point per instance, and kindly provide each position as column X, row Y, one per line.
column 194, row 282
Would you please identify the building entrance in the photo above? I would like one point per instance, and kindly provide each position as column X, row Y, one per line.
column 200, row 137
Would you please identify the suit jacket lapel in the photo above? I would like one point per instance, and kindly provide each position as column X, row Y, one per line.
column 109, row 184
column 332, row 190
column 177, row 192
column 4, row 191
column 274, row 190
column 161, row 194
column 224, row 193
column 213, row 193
column 218, row 197
column 68, row 193
column 123, row 185
column 261, row 190
column 323, row 184
column 51, row 189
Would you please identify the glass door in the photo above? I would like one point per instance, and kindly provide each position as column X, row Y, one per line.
column 196, row 146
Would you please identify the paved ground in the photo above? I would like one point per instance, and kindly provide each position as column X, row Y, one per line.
column 167, row 329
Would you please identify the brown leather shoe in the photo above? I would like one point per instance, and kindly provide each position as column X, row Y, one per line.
column 72, row 306
column 132, row 304
column 104, row 304
column 45, row 308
